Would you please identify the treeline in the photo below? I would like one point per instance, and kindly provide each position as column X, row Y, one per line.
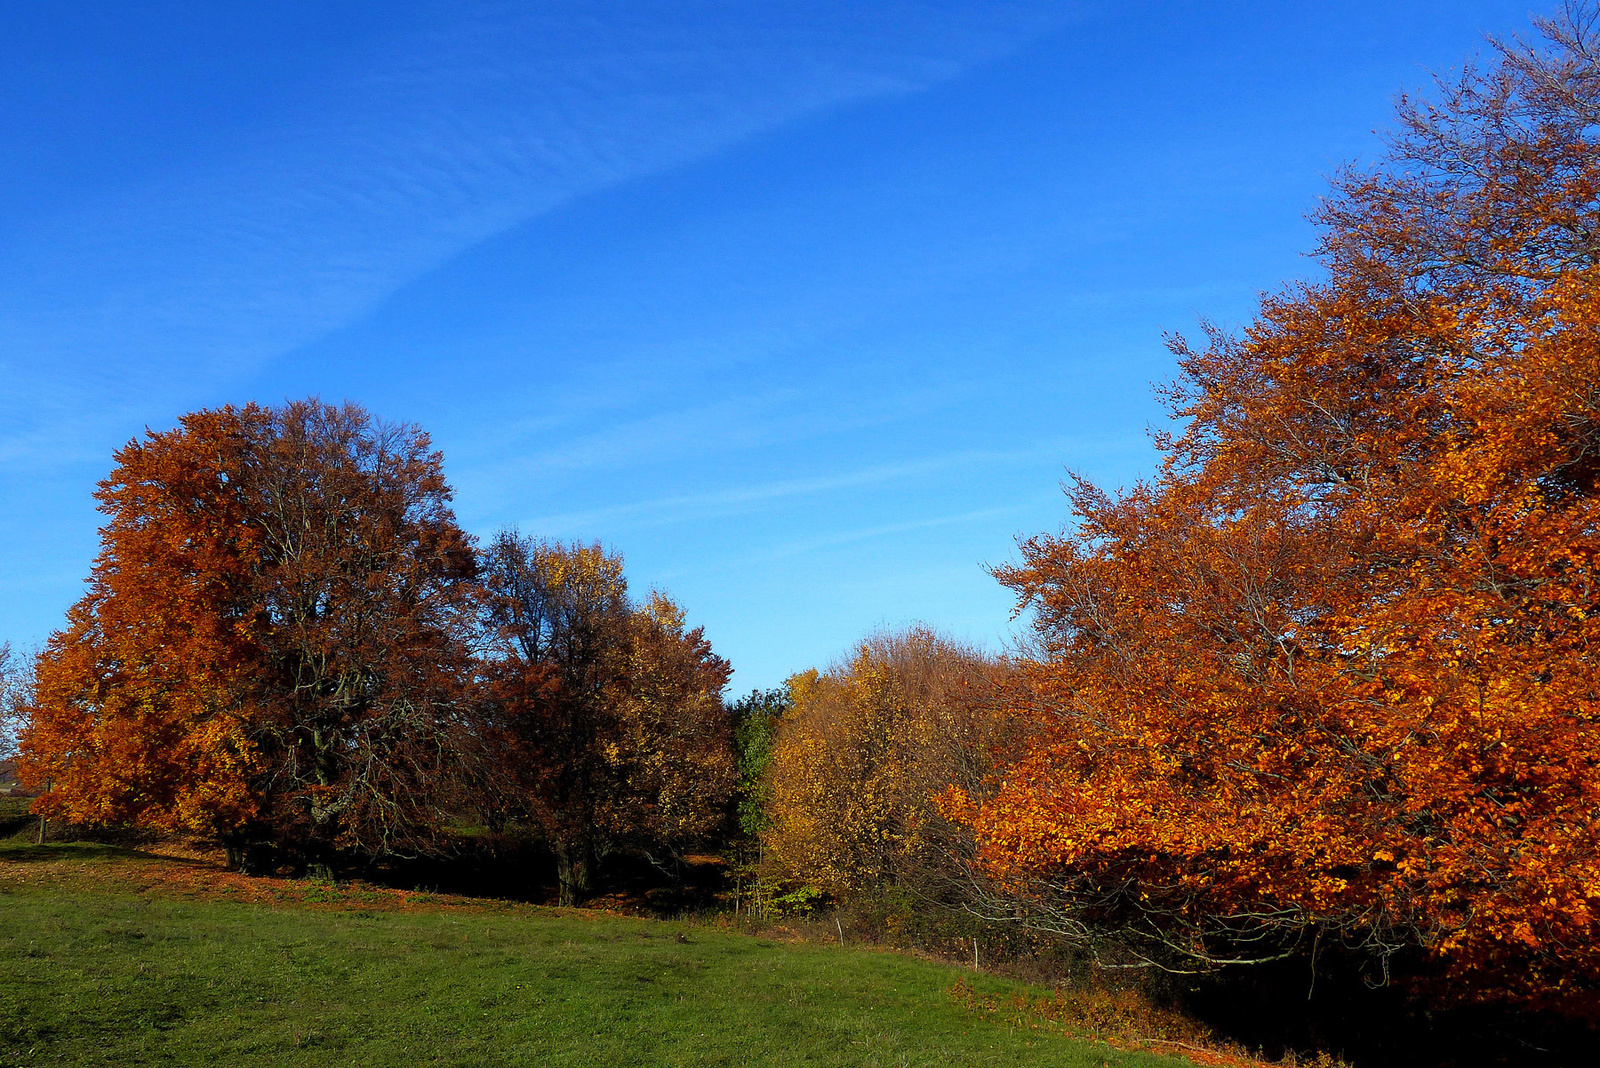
column 1327, row 687
column 1324, row 688
column 288, row 645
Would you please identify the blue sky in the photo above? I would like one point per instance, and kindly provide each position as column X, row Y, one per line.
column 806, row 308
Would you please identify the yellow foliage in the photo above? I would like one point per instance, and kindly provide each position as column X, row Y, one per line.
column 864, row 751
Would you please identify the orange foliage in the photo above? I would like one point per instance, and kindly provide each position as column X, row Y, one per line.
column 1333, row 672
column 143, row 700
column 270, row 642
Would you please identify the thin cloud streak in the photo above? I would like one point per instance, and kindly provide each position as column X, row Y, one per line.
column 851, row 537
column 171, row 290
column 688, row 507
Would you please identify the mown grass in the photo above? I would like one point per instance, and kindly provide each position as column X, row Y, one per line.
column 109, row 976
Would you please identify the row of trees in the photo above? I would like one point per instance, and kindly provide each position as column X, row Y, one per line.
column 290, row 645
column 1330, row 678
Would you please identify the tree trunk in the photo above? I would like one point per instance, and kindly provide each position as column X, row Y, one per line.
column 248, row 856
column 572, row 871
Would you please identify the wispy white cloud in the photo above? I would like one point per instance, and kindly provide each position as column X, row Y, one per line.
column 439, row 141
column 804, row 546
column 741, row 499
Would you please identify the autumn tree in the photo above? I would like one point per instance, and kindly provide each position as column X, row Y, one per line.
column 16, row 694
column 1331, row 674
column 271, row 648
column 603, row 718
column 859, row 759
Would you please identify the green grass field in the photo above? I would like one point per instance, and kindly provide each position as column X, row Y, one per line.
column 101, row 973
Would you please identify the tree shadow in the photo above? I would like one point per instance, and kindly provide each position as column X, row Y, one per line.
column 1275, row 1008
column 27, row 853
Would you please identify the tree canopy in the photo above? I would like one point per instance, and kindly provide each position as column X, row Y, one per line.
column 1331, row 673
column 272, row 640
column 858, row 759
column 604, row 717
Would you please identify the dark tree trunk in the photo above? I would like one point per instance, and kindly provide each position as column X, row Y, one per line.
column 573, row 863
column 248, row 857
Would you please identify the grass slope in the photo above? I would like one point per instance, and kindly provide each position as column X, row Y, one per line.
column 127, row 972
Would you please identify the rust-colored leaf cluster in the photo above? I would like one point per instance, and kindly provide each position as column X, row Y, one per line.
column 1332, row 673
column 607, row 715
column 270, row 647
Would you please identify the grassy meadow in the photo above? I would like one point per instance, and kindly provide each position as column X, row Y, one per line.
column 115, row 957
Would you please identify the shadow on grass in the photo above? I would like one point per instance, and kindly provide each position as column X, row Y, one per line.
column 525, row 871
column 14, row 815
column 23, row 853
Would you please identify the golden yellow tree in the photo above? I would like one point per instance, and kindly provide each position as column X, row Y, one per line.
column 865, row 748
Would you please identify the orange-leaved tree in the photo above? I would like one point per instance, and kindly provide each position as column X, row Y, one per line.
column 271, row 648
column 143, row 703
column 602, row 719
column 1332, row 673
